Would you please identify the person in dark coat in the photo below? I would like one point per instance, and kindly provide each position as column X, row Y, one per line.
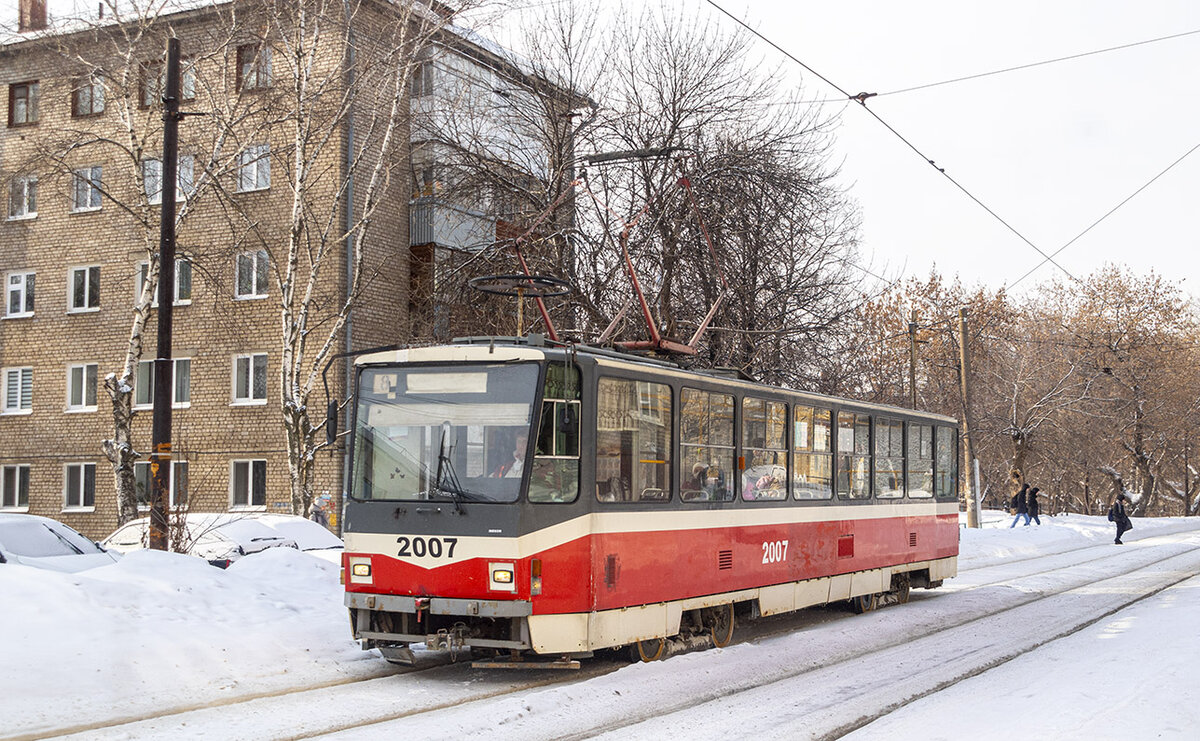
column 1117, row 515
column 1032, row 506
column 1020, row 505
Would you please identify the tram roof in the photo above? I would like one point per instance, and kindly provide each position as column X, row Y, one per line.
column 536, row 347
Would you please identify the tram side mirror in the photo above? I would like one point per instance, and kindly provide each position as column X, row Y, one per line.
column 331, row 418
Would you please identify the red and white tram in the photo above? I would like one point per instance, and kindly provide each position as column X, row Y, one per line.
column 555, row 500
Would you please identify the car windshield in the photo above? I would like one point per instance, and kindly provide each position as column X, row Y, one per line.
column 36, row 539
column 457, row 433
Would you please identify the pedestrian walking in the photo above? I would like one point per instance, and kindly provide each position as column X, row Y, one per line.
column 1032, row 505
column 1020, row 505
column 1116, row 514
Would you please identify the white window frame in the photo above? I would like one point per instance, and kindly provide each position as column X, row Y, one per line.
column 182, row 265
column 22, row 288
column 145, row 370
column 24, row 390
column 14, row 496
column 249, row 464
column 249, row 399
column 254, row 168
column 185, row 184
column 22, row 194
column 258, row 262
column 81, row 505
column 86, row 187
column 141, row 469
column 89, row 297
column 88, row 375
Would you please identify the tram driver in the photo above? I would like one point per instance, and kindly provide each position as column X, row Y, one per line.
column 513, row 467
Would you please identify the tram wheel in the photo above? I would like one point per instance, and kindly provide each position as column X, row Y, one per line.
column 864, row 603
column 722, row 625
column 901, row 586
column 647, row 651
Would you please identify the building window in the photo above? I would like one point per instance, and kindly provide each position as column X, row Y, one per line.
column 18, row 391
column 250, row 379
column 181, row 374
column 22, row 197
column 422, row 79
column 85, row 189
column 183, row 282
column 248, row 483
column 79, row 486
column 19, row 301
column 88, row 97
column 177, row 484
column 22, row 103
column 154, row 83
column 81, row 388
column 253, row 67
column 14, row 487
column 184, row 178
column 251, row 278
column 254, row 168
column 85, row 289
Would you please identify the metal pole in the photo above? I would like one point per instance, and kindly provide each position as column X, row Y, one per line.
column 964, row 363
column 164, row 387
column 912, row 358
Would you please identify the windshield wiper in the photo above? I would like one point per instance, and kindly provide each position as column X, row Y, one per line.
column 446, row 467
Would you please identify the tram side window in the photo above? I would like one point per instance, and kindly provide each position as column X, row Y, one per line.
column 555, row 474
column 946, row 471
column 633, row 441
column 764, row 443
column 920, row 461
column 812, row 455
column 854, row 456
column 889, row 458
column 706, row 446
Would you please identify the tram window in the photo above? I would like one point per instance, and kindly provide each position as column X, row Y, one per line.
column 920, row 461
column 555, row 474
column 706, row 446
column 764, row 443
column 946, row 470
column 889, row 458
column 633, row 441
column 812, row 455
column 854, row 456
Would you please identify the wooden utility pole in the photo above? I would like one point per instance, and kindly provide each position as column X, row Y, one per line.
column 968, row 454
column 164, row 387
column 912, row 358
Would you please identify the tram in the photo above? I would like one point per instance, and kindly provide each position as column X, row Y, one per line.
column 546, row 501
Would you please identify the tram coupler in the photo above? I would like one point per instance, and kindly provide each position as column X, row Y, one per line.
column 454, row 639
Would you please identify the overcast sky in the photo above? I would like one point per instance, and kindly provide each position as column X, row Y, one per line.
column 1050, row 149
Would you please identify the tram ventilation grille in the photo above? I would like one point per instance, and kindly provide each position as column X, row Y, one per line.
column 912, row 540
column 724, row 560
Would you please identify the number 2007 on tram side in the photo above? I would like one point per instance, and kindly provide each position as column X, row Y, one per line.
column 545, row 502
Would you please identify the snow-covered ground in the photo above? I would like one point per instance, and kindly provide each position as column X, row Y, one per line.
column 1048, row 632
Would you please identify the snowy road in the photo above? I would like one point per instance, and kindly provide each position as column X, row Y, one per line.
column 1020, row 595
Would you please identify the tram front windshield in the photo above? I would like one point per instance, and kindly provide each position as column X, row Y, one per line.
column 455, row 432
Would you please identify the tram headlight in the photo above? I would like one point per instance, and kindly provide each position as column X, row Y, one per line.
column 503, row 576
column 360, row 570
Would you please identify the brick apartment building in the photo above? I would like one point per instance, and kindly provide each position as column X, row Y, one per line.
column 73, row 246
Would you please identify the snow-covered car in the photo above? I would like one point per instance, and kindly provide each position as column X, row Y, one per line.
column 48, row 544
column 220, row 538
column 311, row 537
